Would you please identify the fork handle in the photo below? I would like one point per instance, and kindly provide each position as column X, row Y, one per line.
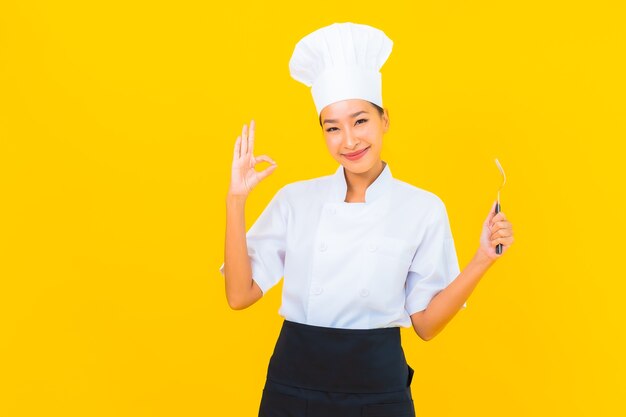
column 499, row 245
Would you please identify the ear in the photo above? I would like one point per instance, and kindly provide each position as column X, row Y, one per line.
column 385, row 118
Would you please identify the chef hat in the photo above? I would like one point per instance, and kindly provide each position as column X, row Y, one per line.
column 341, row 61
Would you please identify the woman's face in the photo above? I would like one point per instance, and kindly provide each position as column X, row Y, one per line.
column 354, row 125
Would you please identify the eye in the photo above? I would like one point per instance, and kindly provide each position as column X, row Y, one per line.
column 330, row 129
column 361, row 120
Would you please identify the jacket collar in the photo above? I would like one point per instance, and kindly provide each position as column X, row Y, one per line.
column 380, row 185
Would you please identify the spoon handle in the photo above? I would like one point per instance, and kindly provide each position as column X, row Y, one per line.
column 499, row 245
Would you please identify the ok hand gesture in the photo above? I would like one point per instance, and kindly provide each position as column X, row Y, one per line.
column 243, row 176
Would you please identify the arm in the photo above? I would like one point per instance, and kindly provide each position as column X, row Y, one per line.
column 241, row 290
column 446, row 303
column 429, row 322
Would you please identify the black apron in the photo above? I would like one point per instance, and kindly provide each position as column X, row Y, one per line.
column 331, row 372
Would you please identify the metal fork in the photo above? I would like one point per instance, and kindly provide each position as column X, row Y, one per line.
column 498, row 207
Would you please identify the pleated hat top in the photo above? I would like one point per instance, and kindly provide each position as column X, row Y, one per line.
column 341, row 61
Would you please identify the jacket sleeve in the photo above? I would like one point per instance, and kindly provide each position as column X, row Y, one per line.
column 434, row 265
column 267, row 243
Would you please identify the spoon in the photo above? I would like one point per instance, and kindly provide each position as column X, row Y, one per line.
column 498, row 207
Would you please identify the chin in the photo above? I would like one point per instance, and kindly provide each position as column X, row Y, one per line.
column 358, row 167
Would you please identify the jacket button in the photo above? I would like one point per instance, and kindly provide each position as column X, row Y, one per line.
column 323, row 247
column 372, row 247
column 365, row 292
column 316, row 290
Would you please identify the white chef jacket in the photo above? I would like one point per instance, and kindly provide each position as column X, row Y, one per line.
column 353, row 265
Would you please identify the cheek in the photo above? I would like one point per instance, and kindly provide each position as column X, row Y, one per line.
column 333, row 141
column 372, row 134
column 371, row 131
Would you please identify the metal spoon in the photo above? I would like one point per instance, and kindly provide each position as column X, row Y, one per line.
column 498, row 207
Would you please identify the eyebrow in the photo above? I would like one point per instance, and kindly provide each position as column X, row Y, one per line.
column 335, row 120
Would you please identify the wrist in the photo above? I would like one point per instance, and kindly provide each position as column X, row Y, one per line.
column 484, row 259
column 236, row 198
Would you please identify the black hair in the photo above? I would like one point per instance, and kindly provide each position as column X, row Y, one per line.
column 381, row 111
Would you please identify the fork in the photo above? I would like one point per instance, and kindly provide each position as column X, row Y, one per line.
column 498, row 207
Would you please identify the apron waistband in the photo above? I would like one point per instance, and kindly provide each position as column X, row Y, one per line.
column 340, row 360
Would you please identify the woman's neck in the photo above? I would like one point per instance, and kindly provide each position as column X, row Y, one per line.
column 357, row 183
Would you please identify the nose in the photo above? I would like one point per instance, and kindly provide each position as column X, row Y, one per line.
column 350, row 139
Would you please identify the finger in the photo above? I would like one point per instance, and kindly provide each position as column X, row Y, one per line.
column 492, row 213
column 500, row 233
column 237, row 152
column 495, row 225
column 495, row 242
column 265, row 158
column 244, row 140
column 505, row 241
column 505, row 230
column 501, row 225
column 251, row 137
column 500, row 216
column 267, row 171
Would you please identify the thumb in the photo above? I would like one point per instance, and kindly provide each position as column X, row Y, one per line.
column 492, row 213
column 267, row 171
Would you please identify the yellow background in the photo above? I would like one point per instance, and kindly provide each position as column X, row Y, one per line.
column 117, row 124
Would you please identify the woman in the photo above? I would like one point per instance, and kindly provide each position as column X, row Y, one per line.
column 362, row 253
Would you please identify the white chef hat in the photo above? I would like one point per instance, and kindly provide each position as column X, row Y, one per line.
column 341, row 61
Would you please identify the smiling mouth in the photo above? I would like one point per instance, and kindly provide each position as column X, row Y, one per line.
column 356, row 153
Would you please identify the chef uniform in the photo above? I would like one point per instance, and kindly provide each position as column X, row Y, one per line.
column 353, row 272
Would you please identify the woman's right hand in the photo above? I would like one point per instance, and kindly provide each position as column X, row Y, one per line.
column 243, row 176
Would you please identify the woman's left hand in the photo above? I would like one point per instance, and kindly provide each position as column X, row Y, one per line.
column 496, row 229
